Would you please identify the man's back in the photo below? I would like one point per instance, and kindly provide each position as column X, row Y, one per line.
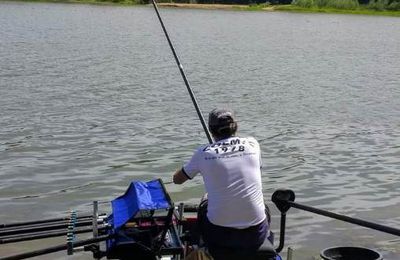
column 231, row 172
column 232, row 177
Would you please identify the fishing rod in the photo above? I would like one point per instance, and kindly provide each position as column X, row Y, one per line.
column 32, row 229
column 192, row 96
column 43, row 221
column 47, row 234
column 57, row 248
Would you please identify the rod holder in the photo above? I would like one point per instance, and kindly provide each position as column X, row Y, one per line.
column 70, row 245
column 95, row 217
column 70, row 234
column 281, row 198
column 180, row 216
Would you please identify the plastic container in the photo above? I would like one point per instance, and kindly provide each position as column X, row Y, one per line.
column 350, row 253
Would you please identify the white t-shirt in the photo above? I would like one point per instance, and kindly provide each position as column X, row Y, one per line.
column 232, row 178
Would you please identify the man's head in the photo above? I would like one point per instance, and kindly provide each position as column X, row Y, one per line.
column 222, row 123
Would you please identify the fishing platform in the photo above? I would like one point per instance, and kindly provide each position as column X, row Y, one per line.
column 145, row 224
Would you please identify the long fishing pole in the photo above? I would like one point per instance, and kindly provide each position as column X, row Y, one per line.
column 40, row 228
column 57, row 248
column 43, row 221
column 47, row 234
column 192, row 96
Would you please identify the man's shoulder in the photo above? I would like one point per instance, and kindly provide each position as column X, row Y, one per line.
column 250, row 139
column 252, row 142
column 202, row 148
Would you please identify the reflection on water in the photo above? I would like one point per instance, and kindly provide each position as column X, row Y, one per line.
column 91, row 99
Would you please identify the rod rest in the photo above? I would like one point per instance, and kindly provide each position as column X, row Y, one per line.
column 281, row 198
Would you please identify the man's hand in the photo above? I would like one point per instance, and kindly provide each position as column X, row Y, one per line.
column 179, row 177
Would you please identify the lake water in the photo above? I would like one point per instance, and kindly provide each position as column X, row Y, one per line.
column 91, row 99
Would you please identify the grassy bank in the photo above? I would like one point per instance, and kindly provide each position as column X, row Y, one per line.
column 205, row 6
column 287, row 8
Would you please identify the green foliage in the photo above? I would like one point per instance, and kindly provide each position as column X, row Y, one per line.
column 394, row 6
column 304, row 3
column 382, row 5
column 336, row 4
column 256, row 7
column 321, row 3
column 343, row 4
column 379, row 5
column 360, row 10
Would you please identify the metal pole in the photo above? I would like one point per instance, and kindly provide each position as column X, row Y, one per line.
column 282, row 233
column 360, row 222
column 289, row 253
column 95, row 225
column 180, row 226
column 180, row 212
column 95, row 216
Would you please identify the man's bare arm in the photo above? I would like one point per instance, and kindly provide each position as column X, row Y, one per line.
column 179, row 177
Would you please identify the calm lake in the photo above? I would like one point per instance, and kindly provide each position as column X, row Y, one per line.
column 91, row 99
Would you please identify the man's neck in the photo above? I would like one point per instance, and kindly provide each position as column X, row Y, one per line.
column 222, row 138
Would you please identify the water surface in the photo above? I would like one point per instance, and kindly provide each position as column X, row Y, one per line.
column 91, row 99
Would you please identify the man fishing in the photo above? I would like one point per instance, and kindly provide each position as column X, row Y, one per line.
column 235, row 216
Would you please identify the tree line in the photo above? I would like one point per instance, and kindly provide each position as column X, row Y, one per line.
column 379, row 5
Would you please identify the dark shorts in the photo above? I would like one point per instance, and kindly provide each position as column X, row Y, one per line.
column 215, row 236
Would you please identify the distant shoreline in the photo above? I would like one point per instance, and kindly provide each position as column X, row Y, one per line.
column 285, row 8
column 260, row 7
column 214, row 6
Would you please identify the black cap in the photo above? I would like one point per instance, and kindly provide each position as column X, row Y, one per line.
column 221, row 117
